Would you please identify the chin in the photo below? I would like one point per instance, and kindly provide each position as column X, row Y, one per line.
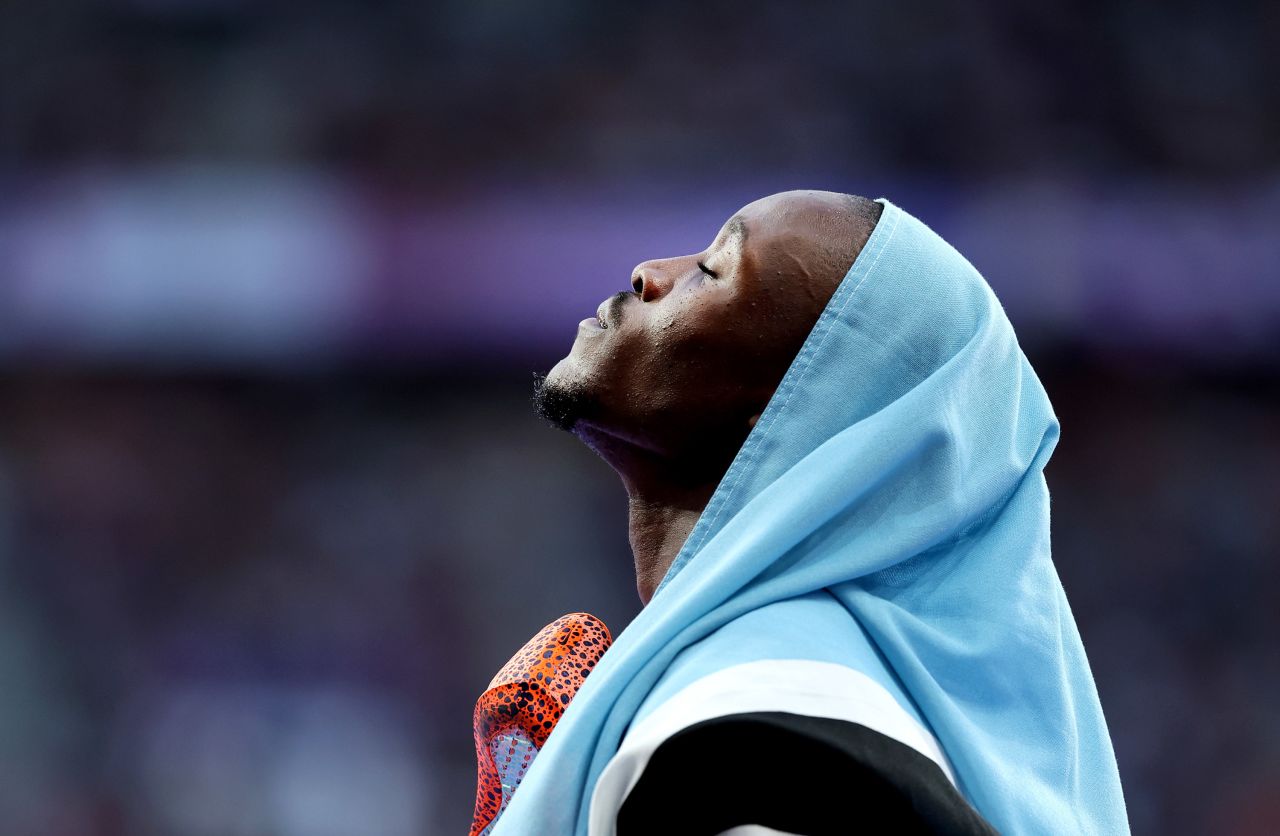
column 561, row 373
column 560, row 398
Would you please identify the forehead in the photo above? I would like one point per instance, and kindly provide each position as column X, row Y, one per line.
column 783, row 214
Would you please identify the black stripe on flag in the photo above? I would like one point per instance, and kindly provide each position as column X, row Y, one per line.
column 793, row 773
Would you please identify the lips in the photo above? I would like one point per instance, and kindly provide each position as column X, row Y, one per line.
column 609, row 314
column 602, row 313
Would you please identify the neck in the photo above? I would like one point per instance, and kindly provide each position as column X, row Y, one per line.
column 666, row 496
column 658, row 527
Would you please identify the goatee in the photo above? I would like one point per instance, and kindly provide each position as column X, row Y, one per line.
column 559, row 405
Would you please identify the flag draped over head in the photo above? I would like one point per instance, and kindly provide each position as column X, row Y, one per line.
column 894, row 482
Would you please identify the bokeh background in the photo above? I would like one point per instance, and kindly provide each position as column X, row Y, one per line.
column 275, row 277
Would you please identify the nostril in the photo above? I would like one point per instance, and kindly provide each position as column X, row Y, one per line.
column 637, row 283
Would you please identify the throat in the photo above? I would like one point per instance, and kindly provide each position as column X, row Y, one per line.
column 658, row 529
column 666, row 495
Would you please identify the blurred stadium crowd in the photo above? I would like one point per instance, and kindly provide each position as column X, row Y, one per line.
column 443, row 94
column 274, row 507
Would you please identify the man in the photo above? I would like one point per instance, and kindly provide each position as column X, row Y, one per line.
column 833, row 451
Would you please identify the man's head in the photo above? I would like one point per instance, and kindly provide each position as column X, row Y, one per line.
column 683, row 364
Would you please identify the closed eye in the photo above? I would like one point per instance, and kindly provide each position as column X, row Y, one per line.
column 704, row 268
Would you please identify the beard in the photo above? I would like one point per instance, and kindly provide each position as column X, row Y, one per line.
column 561, row 405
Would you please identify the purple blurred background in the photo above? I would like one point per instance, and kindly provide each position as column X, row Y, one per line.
column 274, row 280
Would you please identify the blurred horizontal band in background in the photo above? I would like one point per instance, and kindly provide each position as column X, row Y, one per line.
column 219, row 266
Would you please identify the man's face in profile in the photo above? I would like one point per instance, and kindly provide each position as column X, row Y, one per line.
column 684, row 362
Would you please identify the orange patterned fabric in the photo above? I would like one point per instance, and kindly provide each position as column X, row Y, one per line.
column 514, row 717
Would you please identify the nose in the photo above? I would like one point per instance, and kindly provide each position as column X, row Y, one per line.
column 651, row 281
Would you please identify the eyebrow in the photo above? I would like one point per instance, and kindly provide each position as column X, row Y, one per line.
column 737, row 228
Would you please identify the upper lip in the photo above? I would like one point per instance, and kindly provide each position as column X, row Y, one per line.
column 608, row 310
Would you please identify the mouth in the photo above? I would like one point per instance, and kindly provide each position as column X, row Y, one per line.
column 610, row 310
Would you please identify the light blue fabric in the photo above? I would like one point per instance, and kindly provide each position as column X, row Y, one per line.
column 895, row 480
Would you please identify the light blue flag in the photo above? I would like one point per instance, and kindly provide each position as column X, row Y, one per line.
column 894, row 485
